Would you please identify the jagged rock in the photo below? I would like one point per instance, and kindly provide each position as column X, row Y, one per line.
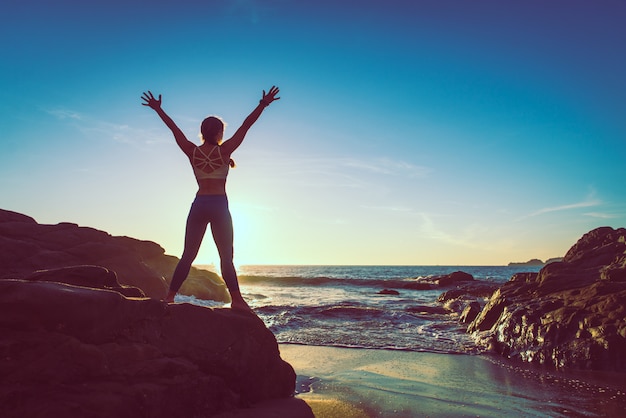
column 471, row 290
column 388, row 292
column 26, row 246
column 464, row 294
column 571, row 314
column 433, row 282
column 454, row 278
column 470, row 312
column 70, row 351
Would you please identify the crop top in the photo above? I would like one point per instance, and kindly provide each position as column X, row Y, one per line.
column 210, row 166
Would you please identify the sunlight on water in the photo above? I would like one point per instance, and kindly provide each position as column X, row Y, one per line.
column 341, row 305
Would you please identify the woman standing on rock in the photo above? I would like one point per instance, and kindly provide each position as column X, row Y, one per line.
column 210, row 162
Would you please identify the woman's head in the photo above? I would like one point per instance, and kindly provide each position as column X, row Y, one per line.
column 212, row 130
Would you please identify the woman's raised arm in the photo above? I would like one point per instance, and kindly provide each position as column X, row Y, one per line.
column 233, row 143
column 155, row 104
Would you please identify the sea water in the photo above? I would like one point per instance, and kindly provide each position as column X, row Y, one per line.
column 341, row 306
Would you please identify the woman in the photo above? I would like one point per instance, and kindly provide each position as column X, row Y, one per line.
column 210, row 162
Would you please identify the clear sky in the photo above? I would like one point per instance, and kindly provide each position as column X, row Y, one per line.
column 408, row 132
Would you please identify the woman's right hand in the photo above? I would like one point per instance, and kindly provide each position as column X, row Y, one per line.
column 270, row 96
column 150, row 101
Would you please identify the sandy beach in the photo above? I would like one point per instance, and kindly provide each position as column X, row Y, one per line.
column 346, row 382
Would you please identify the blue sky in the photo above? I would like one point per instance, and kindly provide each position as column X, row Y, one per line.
column 424, row 132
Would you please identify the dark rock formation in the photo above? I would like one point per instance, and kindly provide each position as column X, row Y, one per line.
column 388, row 292
column 86, row 276
column 470, row 312
column 26, row 246
column 533, row 262
column 572, row 314
column 454, row 278
column 462, row 289
column 434, row 282
column 71, row 351
column 467, row 298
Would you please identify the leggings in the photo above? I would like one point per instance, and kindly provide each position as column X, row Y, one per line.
column 207, row 209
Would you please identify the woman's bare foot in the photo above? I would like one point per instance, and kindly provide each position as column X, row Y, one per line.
column 170, row 297
column 240, row 305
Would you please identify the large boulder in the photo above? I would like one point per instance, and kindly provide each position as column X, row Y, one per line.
column 27, row 246
column 572, row 314
column 86, row 276
column 73, row 351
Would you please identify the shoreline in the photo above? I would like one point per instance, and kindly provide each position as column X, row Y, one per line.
column 352, row 382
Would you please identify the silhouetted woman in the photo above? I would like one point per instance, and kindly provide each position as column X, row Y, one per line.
column 210, row 162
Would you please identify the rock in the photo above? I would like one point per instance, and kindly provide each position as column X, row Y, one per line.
column 26, row 246
column 200, row 283
column 86, row 276
column 10, row 216
column 476, row 291
column 470, row 312
column 446, row 280
column 454, row 278
column 472, row 290
column 533, row 262
column 572, row 314
column 72, row 351
column 388, row 292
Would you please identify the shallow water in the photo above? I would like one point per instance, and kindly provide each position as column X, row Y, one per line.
column 409, row 384
column 341, row 305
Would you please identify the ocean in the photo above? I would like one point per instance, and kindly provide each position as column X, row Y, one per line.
column 340, row 306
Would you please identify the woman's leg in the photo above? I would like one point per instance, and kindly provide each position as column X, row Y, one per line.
column 222, row 229
column 197, row 221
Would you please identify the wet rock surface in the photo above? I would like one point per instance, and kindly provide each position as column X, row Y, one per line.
column 572, row 314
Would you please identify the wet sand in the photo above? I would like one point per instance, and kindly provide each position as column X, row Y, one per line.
column 343, row 382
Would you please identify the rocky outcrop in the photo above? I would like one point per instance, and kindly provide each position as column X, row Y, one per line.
column 572, row 314
column 533, row 262
column 467, row 298
column 27, row 246
column 434, row 282
column 463, row 296
column 73, row 351
column 86, row 276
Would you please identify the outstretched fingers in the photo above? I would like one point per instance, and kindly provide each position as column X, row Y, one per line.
column 271, row 94
column 150, row 100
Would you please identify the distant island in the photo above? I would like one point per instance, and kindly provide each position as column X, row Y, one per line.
column 535, row 262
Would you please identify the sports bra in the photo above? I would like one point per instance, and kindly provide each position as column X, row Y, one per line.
column 209, row 166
